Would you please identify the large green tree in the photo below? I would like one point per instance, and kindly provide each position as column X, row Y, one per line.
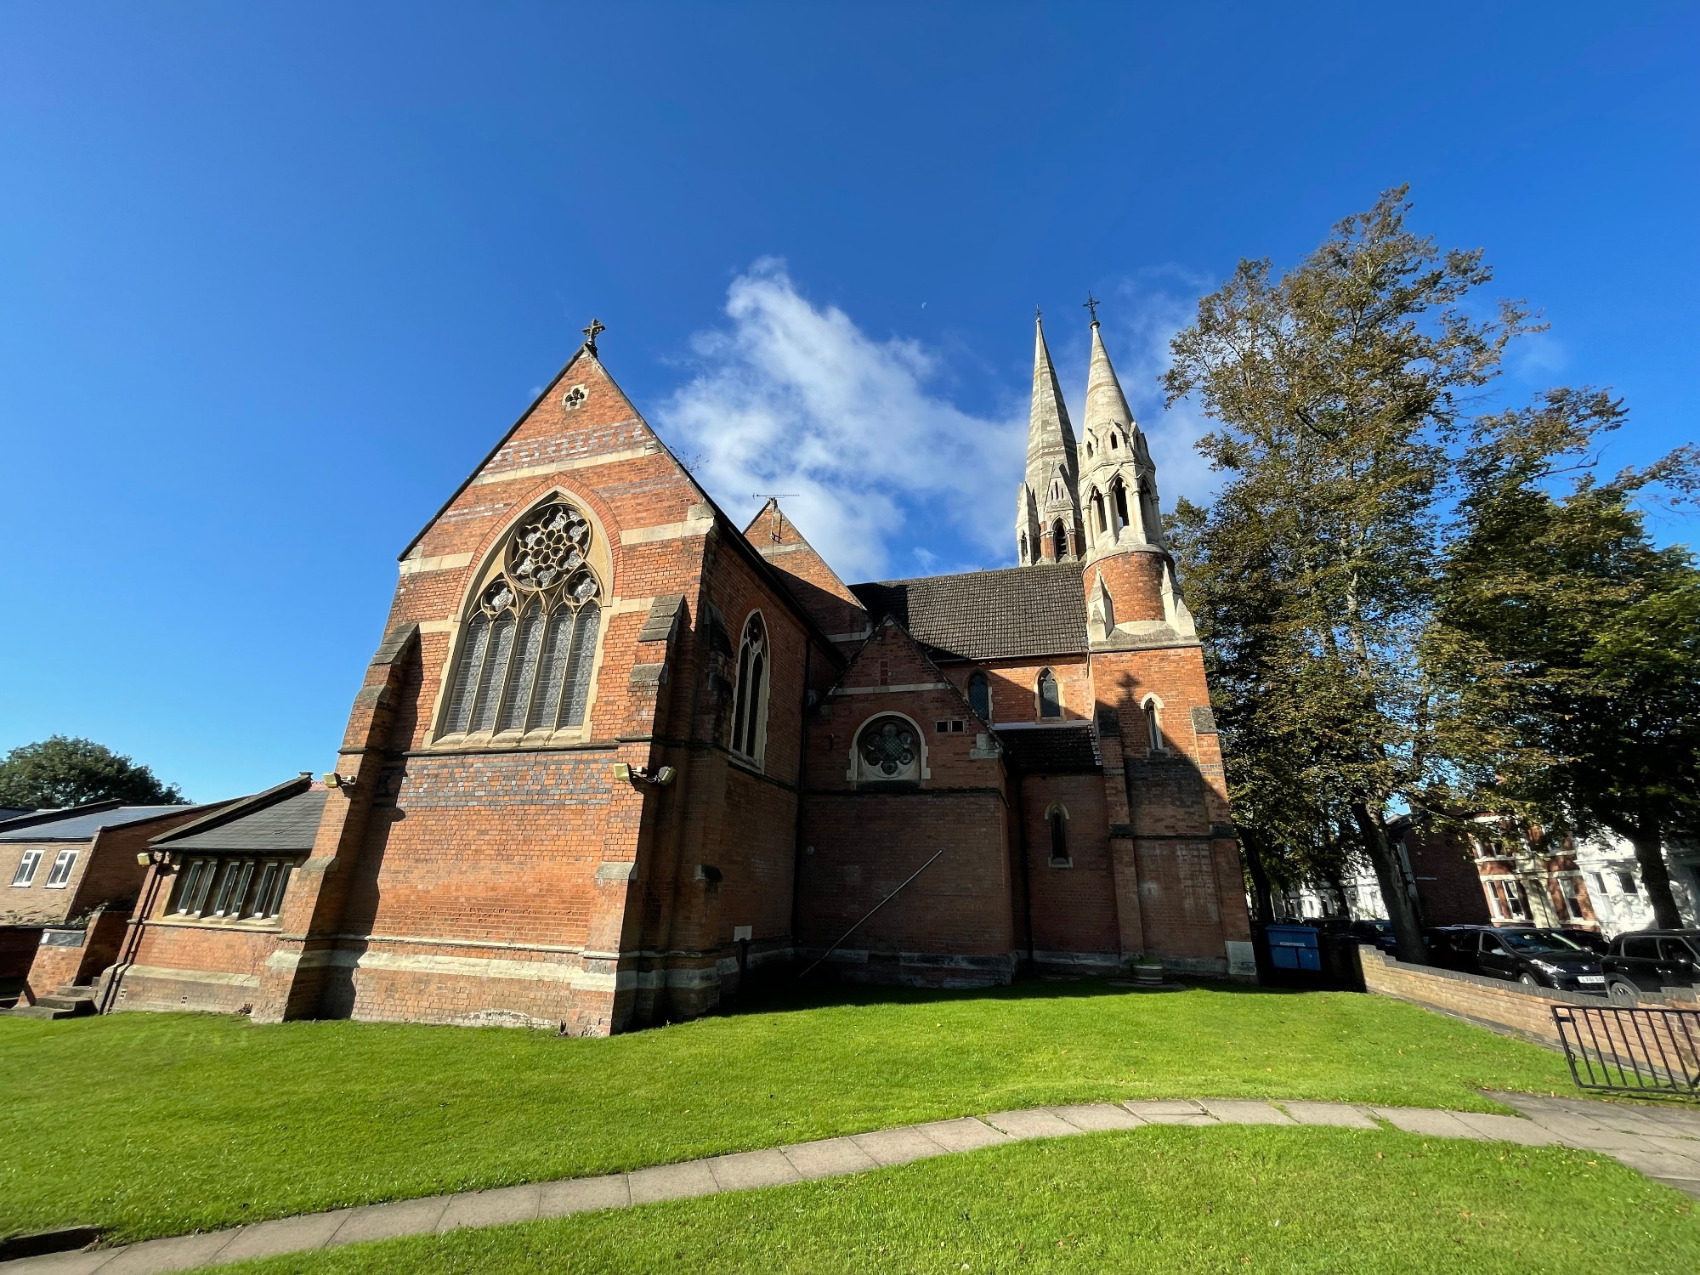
column 60, row 771
column 1338, row 388
column 1565, row 645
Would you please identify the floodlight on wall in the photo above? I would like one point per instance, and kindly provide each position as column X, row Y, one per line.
column 659, row 778
column 334, row 780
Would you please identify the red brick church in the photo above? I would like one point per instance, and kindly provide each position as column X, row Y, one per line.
column 615, row 755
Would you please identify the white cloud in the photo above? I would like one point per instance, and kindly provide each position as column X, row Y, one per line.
column 794, row 397
column 890, row 477
column 1159, row 303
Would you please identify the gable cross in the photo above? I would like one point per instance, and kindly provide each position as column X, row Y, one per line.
column 596, row 329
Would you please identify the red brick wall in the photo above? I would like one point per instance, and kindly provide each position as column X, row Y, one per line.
column 1447, row 881
column 1014, row 686
column 1073, row 907
column 1135, row 582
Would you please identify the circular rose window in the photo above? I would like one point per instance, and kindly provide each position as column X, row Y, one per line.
column 889, row 748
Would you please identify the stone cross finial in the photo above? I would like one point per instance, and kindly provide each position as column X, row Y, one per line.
column 596, row 329
column 1092, row 304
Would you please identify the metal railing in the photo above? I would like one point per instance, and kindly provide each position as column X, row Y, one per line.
column 1638, row 1050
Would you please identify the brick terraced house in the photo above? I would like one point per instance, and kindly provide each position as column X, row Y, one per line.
column 616, row 755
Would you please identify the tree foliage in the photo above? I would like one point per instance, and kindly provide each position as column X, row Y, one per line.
column 60, row 771
column 1398, row 612
column 1565, row 645
column 1338, row 388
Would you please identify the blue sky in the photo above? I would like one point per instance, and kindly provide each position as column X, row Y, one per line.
column 274, row 277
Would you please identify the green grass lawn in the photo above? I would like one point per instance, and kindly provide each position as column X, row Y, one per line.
column 1160, row 1199
column 159, row 1124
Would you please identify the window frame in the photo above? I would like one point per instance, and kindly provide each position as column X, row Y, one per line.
column 978, row 678
column 21, row 879
column 578, row 654
column 1039, row 712
column 1156, row 740
column 859, row 773
column 231, row 889
column 749, row 715
column 1057, row 821
column 59, row 875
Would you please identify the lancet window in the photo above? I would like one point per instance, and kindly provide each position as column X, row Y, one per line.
column 1059, row 540
column 749, row 711
column 528, row 645
column 1050, row 698
column 1057, row 817
column 980, row 696
column 1153, row 726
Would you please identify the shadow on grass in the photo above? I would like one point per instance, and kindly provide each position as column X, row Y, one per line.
column 789, row 994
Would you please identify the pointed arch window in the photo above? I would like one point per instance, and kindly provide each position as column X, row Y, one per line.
column 1024, row 557
column 1050, row 697
column 749, row 710
column 1057, row 818
column 1098, row 511
column 1059, row 539
column 1154, row 727
column 1118, row 494
column 528, row 647
column 980, row 697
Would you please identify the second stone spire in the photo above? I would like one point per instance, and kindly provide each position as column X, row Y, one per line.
column 1048, row 526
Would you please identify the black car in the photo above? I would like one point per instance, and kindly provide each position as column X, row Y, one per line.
column 1589, row 940
column 1377, row 932
column 1649, row 960
column 1534, row 958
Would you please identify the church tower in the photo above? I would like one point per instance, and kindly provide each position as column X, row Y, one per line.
column 1130, row 579
column 1047, row 511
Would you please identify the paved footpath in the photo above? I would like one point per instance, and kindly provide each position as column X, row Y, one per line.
column 1661, row 1142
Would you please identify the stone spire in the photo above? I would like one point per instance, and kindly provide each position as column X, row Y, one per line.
column 1130, row 580
column 1050, row 494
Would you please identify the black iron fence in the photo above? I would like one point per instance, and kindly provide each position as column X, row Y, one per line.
column 1639, row 1050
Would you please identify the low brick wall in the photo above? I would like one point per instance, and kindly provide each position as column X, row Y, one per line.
column 1491, row 1002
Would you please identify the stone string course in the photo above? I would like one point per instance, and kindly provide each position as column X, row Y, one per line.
column 1662, row 1142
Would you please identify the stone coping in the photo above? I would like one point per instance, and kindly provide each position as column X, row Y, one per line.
column 1661, row 1142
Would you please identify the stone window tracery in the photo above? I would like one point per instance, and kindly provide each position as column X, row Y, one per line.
column 749, row 711
column 528, row 646
column 888, row 750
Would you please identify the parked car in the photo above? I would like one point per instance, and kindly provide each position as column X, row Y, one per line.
column 1377, row 932
column 1453, row 947
column 1522, row 954
column 1589, row 940
column 1538, row 958
column 1651, row 959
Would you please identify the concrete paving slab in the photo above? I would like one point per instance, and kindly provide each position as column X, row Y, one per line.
column 1340, row 1115
column 1659, row 1164
column 673, row 1182
column 498, row 1207
column 1585, row 1133
column 1095, row 1117
column 1669, row 1120
column 1436, row 1124
column 1033, row 1122
column 1170, row 1111
column 897, row 1146
column 1676, row 1146
column 283, row 1235
column 1525, row 1133
column 179, row 1253
column 749, row 1169
column 1688, row 1186
column 386, row 1221
column 78, row 1263
column 828, row 1158
column 1235, row 1111
column 583, row 1195
column 966, row 1134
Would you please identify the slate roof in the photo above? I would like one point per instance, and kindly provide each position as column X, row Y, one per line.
column 987, row 615
column 82, row 827
column 1051, row 750
column 287, row 825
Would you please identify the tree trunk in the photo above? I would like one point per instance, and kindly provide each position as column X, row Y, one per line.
column 1263, row 906
column 1655, row 875
column 1407, row 930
